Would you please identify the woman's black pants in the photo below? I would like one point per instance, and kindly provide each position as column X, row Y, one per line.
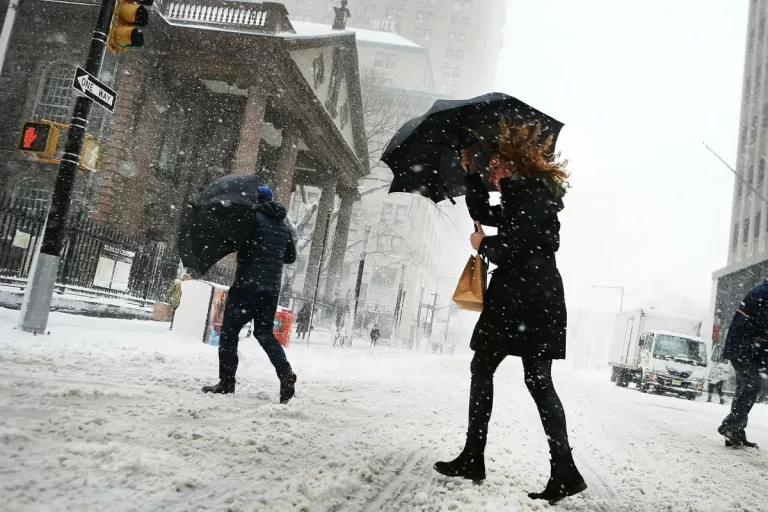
column 538, row 378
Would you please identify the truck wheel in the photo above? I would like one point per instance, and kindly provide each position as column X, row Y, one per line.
column 691, row 396
column 621, row 379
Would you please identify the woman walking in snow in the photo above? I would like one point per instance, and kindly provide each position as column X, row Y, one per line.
column 524, row 307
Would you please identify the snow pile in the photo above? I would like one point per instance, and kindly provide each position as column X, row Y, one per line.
column 107, row 415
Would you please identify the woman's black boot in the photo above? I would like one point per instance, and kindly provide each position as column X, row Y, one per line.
column 565, row 480
column 470, row 463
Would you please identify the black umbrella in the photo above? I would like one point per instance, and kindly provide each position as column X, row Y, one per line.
column 424, row 153
column 218, row 222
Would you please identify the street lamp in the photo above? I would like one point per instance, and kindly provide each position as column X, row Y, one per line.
column 621, row 306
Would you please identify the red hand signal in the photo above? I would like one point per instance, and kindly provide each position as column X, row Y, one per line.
column 30, row 135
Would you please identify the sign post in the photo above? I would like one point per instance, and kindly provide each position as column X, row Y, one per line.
column 38, row 293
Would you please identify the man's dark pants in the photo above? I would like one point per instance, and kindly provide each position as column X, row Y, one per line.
column 747, row 388
column 242, row 307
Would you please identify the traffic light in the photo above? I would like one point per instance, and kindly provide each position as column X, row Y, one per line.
column 124, row 32
column 40, row 138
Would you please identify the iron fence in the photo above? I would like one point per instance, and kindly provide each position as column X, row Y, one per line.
column 96, row 260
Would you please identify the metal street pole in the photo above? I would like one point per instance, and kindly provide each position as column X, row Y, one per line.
column 319, row 273
column 5, row 33
column 39, row 290
column 360, row 270
column 757, row 193
column 432, row 318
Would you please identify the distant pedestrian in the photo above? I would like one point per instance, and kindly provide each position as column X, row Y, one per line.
column 254, row 296
column 524, row 310
column 746, row 347
column 302, row 321
column 717, row 375
column 375, row 335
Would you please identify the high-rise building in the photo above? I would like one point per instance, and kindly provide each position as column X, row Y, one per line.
column 464, row 37
column 748, row 243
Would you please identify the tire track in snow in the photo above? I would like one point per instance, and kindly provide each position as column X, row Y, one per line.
column 403, row 481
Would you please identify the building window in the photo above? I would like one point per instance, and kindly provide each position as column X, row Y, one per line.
column 454, row 20
column 446, row 71
column 378, row 61
column 420, row 17
column 467, row 4
column 55, row 98
column 427, row 34
column 459, row 55
column 32, row 194
column 735, row 237
column 388, row 82
column 454, row 90
column 449, row 54
column 384, row 277
column 758, row 218
column 745, row 233
column 462, row 38
column 391, row 61
column 430, row 17
column 464, row 21
column 444, row 88
column 751, row 173
column 400, row 13
column 739, row 188
column 452, row 37
column 387, row 213
column 456, row 72
column 401, row 214
column 390, row 13
column 456, row 5
column 761, row 172
column 418, row 34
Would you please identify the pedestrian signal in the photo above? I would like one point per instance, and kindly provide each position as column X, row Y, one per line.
column 40, row 138
column 124, row 32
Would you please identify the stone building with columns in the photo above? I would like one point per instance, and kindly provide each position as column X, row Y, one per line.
column 220, row 87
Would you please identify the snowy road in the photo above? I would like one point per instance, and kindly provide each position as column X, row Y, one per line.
column 107, row 415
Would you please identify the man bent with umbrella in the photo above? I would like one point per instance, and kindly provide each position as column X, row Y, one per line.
column 746, row 347
column 254, row 296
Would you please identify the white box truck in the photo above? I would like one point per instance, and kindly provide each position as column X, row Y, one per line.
column 659, row 352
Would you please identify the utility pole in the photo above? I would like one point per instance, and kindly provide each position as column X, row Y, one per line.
column 39, row 290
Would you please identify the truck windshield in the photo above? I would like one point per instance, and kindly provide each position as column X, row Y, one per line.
column 682, row 350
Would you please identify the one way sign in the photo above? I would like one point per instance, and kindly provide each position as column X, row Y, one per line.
column 97, row 91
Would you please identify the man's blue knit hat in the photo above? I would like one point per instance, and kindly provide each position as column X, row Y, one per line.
column 266, row 192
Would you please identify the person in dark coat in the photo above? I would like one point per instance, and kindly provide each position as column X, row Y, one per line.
column 746, row 347
column 254, row 296
column 375, row 335
column 524, row 311
column 302, row 321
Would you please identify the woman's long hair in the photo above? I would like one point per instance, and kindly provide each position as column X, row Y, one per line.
column 519, row 145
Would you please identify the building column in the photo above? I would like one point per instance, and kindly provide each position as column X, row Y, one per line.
column 134, row 196
column 286, row 163
column 325, row 208
column 247, row 152
column 340, row 240
column 119, row 144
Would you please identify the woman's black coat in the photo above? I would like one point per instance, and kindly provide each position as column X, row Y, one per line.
column 524, row 308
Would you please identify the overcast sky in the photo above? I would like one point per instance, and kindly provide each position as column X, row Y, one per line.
column 639, row 86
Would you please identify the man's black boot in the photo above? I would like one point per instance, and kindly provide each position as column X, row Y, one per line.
column 287, row 387
column 222, row 388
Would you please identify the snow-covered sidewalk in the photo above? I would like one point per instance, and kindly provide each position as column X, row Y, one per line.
column 108, row 415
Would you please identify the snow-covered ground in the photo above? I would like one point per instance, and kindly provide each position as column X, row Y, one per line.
column 108, row 415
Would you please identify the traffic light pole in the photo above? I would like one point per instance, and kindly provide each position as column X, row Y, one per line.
column 40, row 285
